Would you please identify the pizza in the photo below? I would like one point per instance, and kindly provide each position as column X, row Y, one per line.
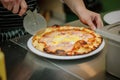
column 67, row 40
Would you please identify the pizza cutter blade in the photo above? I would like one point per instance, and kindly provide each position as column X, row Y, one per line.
column 34, row 22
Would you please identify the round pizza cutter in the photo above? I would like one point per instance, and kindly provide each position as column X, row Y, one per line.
column 34, row 22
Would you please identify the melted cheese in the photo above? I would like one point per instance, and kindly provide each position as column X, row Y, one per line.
column 65, row 38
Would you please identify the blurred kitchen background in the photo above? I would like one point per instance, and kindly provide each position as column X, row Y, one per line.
column 55, row 12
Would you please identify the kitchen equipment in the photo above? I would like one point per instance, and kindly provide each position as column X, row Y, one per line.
column 34, row 22
column 113, row 48
column 112, row 17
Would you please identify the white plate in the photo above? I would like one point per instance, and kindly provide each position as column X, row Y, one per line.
column 112, row 17
column 46, row 55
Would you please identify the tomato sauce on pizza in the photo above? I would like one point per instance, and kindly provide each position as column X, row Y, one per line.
column 67, row 40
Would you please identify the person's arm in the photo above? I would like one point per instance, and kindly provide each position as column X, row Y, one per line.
column 75, row 5
column 16, row 6
column 86, row 16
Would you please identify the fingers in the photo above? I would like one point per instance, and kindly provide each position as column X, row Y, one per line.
column 94, row 21
column 16, row 6
column 10, row 5
column 20, row 7
column 99, row 21
column 6, row 0
column 90, row 18
column 91, row 24
column 23, row 8
column 5, row 3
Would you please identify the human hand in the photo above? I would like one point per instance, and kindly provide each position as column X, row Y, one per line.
column 86, row 16
column 90, row 18
column 16, row 6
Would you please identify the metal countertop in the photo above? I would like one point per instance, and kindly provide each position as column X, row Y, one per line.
column 22, row 64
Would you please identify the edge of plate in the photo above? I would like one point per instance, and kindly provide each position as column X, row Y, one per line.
column 50, row 56
column 107, row 14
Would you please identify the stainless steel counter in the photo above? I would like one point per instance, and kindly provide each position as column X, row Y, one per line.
column 22, row 64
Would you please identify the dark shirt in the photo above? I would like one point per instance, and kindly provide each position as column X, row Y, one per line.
column 11, row 25
column 8, row 19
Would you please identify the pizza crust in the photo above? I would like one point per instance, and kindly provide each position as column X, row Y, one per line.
column 67, row 40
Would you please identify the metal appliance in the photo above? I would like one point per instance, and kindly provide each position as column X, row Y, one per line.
column 113, row 49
